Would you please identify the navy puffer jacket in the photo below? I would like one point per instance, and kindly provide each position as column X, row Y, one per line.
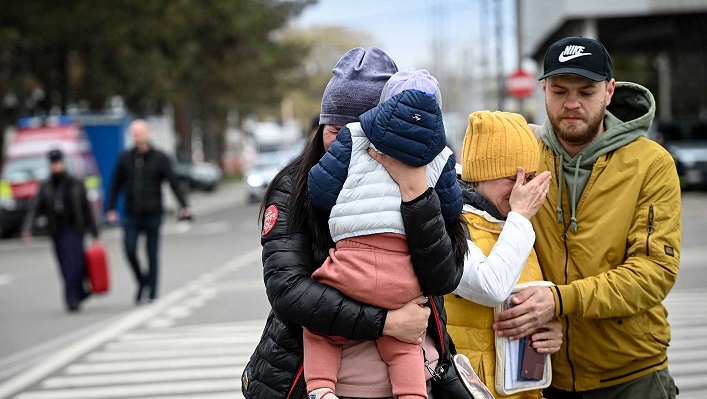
column 407, row 127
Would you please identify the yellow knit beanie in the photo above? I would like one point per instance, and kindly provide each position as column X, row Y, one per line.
column 496, row 144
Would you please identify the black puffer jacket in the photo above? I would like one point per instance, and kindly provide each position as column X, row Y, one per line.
column 77, row 211
column 275, row 369
column 141, row 175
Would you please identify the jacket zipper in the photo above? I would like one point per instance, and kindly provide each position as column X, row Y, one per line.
column 650, row 230
column 567, row 319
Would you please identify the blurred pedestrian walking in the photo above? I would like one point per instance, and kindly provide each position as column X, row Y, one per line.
column 140, row 172
column 62, row 200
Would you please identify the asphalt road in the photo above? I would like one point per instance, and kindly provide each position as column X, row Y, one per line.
column 194, row 341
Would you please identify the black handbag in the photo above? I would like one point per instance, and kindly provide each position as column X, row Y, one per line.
column 453, row 378
column 456, row 379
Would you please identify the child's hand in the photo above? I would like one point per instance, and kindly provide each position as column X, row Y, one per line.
column 411, row 179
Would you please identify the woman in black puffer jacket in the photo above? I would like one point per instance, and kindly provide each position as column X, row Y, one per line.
column 296, row 239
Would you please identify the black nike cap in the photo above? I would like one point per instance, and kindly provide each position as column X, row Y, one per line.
column 577, row 56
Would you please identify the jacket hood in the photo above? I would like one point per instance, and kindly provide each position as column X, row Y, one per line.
column 407, row 127
column 633, row 106
column 627, row 118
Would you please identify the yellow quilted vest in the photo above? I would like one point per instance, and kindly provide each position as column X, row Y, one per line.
column 471, row 324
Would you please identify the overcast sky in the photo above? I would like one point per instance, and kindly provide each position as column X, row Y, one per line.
column 407, row 29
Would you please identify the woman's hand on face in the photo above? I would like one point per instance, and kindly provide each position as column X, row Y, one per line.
column 549, row 339
column 408, row 323
column 527, row 198
column 411, row 179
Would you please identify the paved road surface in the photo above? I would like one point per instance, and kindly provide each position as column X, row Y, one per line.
column 194, row 342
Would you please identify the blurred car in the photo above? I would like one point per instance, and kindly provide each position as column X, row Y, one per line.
column 182, row 170
column 205, row 176
column 686, row 140
column 197, row 176
column 265, row 168
column 26, row 165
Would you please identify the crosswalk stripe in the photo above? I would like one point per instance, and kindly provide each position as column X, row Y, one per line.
column 206, row 373
column 687, row 314
column 129, row 391
column 166, row 353
column 228, row 395
column 206, row 361
column 182, row 342
column 162, row 364
column 203, row 362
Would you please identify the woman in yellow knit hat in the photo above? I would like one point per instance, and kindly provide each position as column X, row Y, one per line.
column 500, row 156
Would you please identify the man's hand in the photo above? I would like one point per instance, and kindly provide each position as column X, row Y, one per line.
column 112, row 216
column 411, row 179
column 527, row 198
column 184, row 214
column 26, row 237
column 408, row 323
column 534, row 307
column 548, row 339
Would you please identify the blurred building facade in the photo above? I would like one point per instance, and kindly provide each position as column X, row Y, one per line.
column 657, row 43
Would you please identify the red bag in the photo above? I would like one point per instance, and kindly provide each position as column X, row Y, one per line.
column 97, row 268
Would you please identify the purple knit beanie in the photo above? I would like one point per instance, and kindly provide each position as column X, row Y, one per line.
column 356, row 86
column 411, row 79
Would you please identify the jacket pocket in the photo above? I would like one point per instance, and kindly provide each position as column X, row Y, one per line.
column 650, row 229
column 659, row 229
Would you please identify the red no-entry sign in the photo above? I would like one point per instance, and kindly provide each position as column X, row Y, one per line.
column 520, row 84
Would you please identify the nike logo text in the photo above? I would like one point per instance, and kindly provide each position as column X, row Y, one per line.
column 572, row 52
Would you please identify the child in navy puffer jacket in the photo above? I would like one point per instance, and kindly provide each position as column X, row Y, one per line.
column 371, row 262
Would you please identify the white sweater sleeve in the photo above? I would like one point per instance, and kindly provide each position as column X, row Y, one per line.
column 489, row 280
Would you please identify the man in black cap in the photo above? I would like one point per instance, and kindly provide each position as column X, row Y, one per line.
column 608, row 235
column 62, row 200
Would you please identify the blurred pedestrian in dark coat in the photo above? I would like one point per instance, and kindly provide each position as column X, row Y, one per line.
column 62, row 200
column 140, row 173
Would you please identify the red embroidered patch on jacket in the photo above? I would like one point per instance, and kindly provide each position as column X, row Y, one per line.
column 269, row 219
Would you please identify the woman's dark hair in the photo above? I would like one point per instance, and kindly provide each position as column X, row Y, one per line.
column 302, row 216
column 458, row 235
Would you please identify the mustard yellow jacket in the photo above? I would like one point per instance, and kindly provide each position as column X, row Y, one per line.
column 470, row 324
column 614, row 271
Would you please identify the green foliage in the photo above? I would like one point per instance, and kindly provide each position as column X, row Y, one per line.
column 306, row 83
column 207, row 56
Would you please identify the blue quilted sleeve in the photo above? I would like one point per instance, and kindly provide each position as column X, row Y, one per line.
column 449, row 191
column 326, row 178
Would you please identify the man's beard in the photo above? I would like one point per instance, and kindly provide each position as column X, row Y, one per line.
column 576, row 135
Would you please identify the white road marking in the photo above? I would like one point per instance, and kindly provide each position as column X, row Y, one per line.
column 5, row 279
column 117, row 328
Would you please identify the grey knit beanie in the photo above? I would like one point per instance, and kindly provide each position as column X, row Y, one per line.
column 356, row 86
